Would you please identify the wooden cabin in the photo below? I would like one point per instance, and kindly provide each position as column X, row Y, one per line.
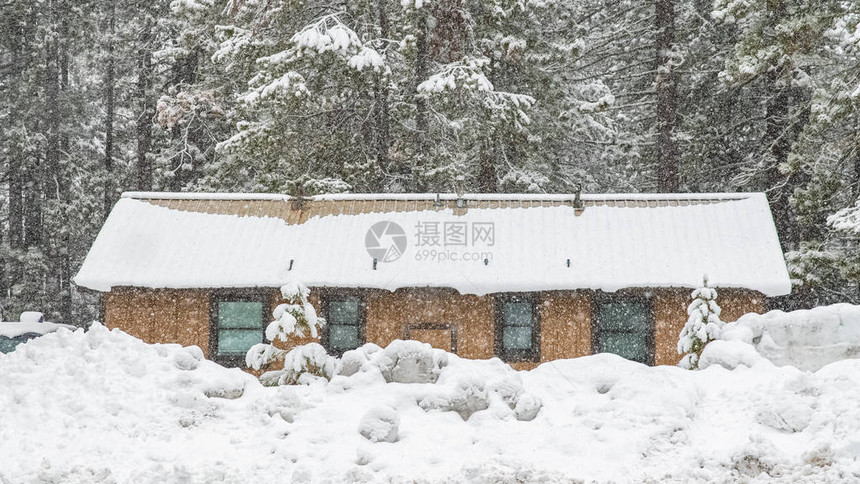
column 527, row 278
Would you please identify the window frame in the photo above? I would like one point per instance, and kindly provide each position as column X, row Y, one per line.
column 531, row 354
column 237, row 295
column 326, row 296
column 644, row 298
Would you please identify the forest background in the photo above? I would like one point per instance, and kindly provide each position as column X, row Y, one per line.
column 291, row 96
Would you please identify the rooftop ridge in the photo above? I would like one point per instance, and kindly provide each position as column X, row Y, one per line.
column 204, row 196
column 557, row 197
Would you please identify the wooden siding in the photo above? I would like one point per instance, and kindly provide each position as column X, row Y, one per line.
column 391, row 314
column 565, row 325
column 160, row 315
column 429, row 315
column 670, row 315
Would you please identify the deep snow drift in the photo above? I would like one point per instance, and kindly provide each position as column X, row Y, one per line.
column 807, row 339
column 101, row 406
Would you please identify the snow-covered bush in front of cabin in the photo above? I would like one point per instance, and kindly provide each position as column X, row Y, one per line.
column 469, row 396
column 453, row 384
column 703, row 325
column 468, row 387
column 296, row 318
column 303, row 364
column 729, row 355
column 410, row 362
column 359, row 360
column 527, row 407
column 380, row 424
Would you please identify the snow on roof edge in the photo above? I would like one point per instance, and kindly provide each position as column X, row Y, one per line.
column 204, row 196
column 773, row 291
column 443, row 196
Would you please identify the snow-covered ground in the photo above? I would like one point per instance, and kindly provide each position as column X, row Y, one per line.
column 101, row 406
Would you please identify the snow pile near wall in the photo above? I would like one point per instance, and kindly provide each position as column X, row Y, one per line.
column 806, row 339
column 101, row 406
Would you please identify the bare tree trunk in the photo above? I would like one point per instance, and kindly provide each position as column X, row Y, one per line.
column 383, row 118
column 488, row 152
column 185, row 74
column 31, row 168
column 33, row 203
column 55, row 182
column 110, row 107
column 667, row 103
column 777, row 139
column 487, row 167
column 421, row 125
column 857, row 172
column 66, row 303
column 19, row 63
column 146, row 107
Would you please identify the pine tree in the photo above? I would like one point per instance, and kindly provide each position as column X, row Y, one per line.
column 704, row 325
column 294, row 319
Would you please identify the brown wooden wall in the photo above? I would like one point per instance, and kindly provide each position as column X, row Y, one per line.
column 429, row 315
column 160, row 315
column 670, row 315
column 391, row 314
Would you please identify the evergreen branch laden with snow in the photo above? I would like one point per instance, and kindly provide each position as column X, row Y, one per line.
column 703, row 325
column 296, row 318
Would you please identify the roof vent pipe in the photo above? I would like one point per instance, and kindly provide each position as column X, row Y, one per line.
column 577, row 198
column 438, row 201
column 460, row 201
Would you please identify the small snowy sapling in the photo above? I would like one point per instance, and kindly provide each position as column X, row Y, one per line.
column 296, row 318
column 703, row 325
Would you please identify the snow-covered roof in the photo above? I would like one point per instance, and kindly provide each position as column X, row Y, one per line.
column 482, row 244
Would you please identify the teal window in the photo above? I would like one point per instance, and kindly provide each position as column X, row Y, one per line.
column 517, row 328
column 238, row 327
column 623, row 327
column 344, row 323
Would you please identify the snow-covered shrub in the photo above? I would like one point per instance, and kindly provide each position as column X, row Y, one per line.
column 228, row 385
column 411, row 362
column 380, row 424
column 285, row 401
column 703, row 325
column 729, row 355
column 496, row 388
column 296, row 318
column 189, row 358
column 509, row 389
column 469, row 396
column 358, row 360
column 527, row 407
column 302, row 365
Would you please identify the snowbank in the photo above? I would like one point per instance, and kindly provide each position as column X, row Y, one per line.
column 101, row 406
column 806, row 339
